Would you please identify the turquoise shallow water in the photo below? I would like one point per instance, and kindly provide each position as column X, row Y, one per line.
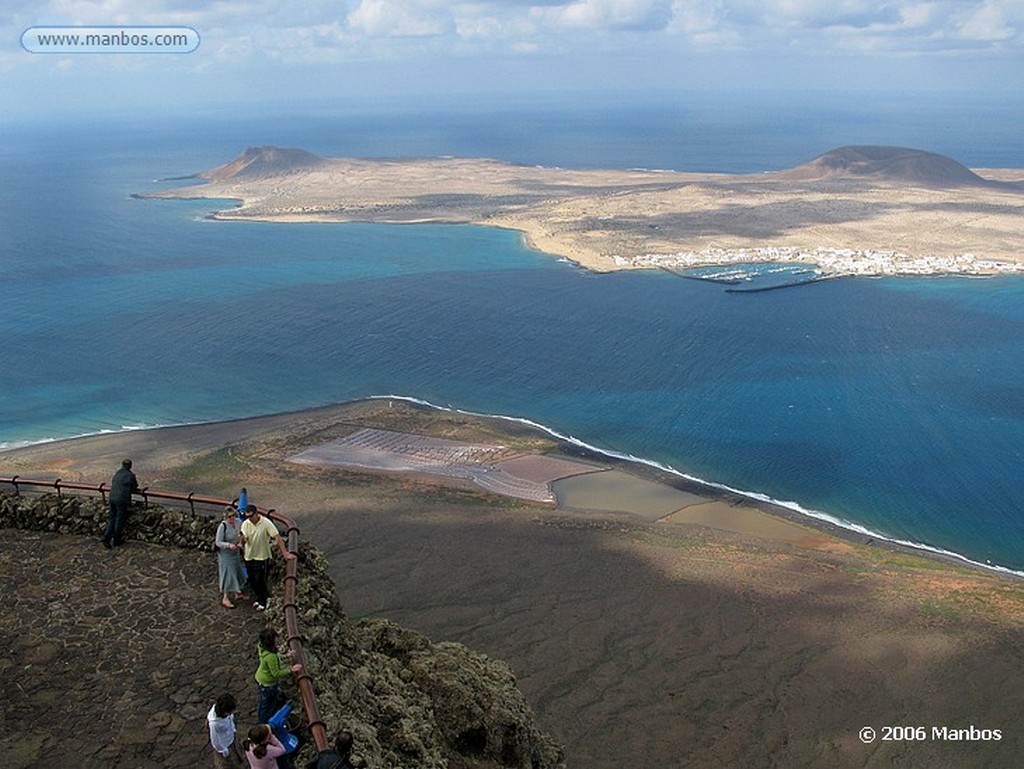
column 891, row 405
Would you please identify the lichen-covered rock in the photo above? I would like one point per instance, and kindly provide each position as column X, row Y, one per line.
column 479, row 709
column 413, row 703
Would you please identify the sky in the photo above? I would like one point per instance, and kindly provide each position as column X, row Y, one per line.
column 323, row 55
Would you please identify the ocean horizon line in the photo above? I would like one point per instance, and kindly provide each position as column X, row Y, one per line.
column 818, row 516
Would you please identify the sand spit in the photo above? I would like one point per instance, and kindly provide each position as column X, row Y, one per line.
column 921, row 213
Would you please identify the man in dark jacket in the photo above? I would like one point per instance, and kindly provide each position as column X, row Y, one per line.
column 337, row 758
column 122, row 486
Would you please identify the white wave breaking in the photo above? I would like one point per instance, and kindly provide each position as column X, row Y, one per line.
column 793, row 506
column 12, row 445
column 796, row 507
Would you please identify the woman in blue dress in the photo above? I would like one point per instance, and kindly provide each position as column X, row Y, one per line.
column 229, row 557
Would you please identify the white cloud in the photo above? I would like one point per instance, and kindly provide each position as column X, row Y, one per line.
column 610, row 14
column 563, row 25
column 393, row 18
column 703, row 23
column 898, row 26
column 488, row 23
column 987, row 23
column 919, row 15
column 292, row 47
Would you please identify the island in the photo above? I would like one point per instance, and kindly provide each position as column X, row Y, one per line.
column 852, row 211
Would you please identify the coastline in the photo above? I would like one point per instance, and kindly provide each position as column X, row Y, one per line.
column 736, row 511
column 675, row 640
column 613, row 220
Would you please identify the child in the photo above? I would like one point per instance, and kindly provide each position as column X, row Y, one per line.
column 221, row 720
column 269, row 673
column 263, row 748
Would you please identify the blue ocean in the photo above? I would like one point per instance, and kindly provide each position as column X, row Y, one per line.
column 892, row 406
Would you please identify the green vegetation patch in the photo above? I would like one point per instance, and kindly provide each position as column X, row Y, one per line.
column 942, row 609
column 220, row 469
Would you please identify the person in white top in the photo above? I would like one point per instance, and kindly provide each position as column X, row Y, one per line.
column 221, row 720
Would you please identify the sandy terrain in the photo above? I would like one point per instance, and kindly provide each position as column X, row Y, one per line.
column 704, row 638
column 592, row 216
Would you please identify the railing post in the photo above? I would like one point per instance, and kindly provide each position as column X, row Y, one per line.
column 17, row 491
column 191, row 504
column 103, row 493
column 56, row 485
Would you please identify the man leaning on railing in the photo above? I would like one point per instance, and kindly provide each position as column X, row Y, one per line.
column 122, row 486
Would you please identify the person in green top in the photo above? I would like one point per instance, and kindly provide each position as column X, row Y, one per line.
column 270, row 671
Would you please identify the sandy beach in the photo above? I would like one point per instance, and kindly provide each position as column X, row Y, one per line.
column 647, row 624
column 606, row 220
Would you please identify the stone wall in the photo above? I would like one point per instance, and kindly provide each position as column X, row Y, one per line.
column 87, row 516
column 411, row 703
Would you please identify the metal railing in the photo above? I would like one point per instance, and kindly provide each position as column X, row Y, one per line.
column 291, row 578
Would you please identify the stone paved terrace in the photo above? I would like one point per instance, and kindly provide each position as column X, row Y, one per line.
column 111, row 659
column 497, row 469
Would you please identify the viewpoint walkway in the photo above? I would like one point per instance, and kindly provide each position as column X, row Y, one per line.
column 111, row 659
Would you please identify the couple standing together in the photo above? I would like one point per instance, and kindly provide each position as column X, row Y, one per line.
column 253, row 537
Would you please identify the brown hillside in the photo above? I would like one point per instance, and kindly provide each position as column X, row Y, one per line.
column 886, row 163
column 260, row 162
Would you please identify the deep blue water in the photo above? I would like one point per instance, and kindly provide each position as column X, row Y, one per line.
column 894, row 405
